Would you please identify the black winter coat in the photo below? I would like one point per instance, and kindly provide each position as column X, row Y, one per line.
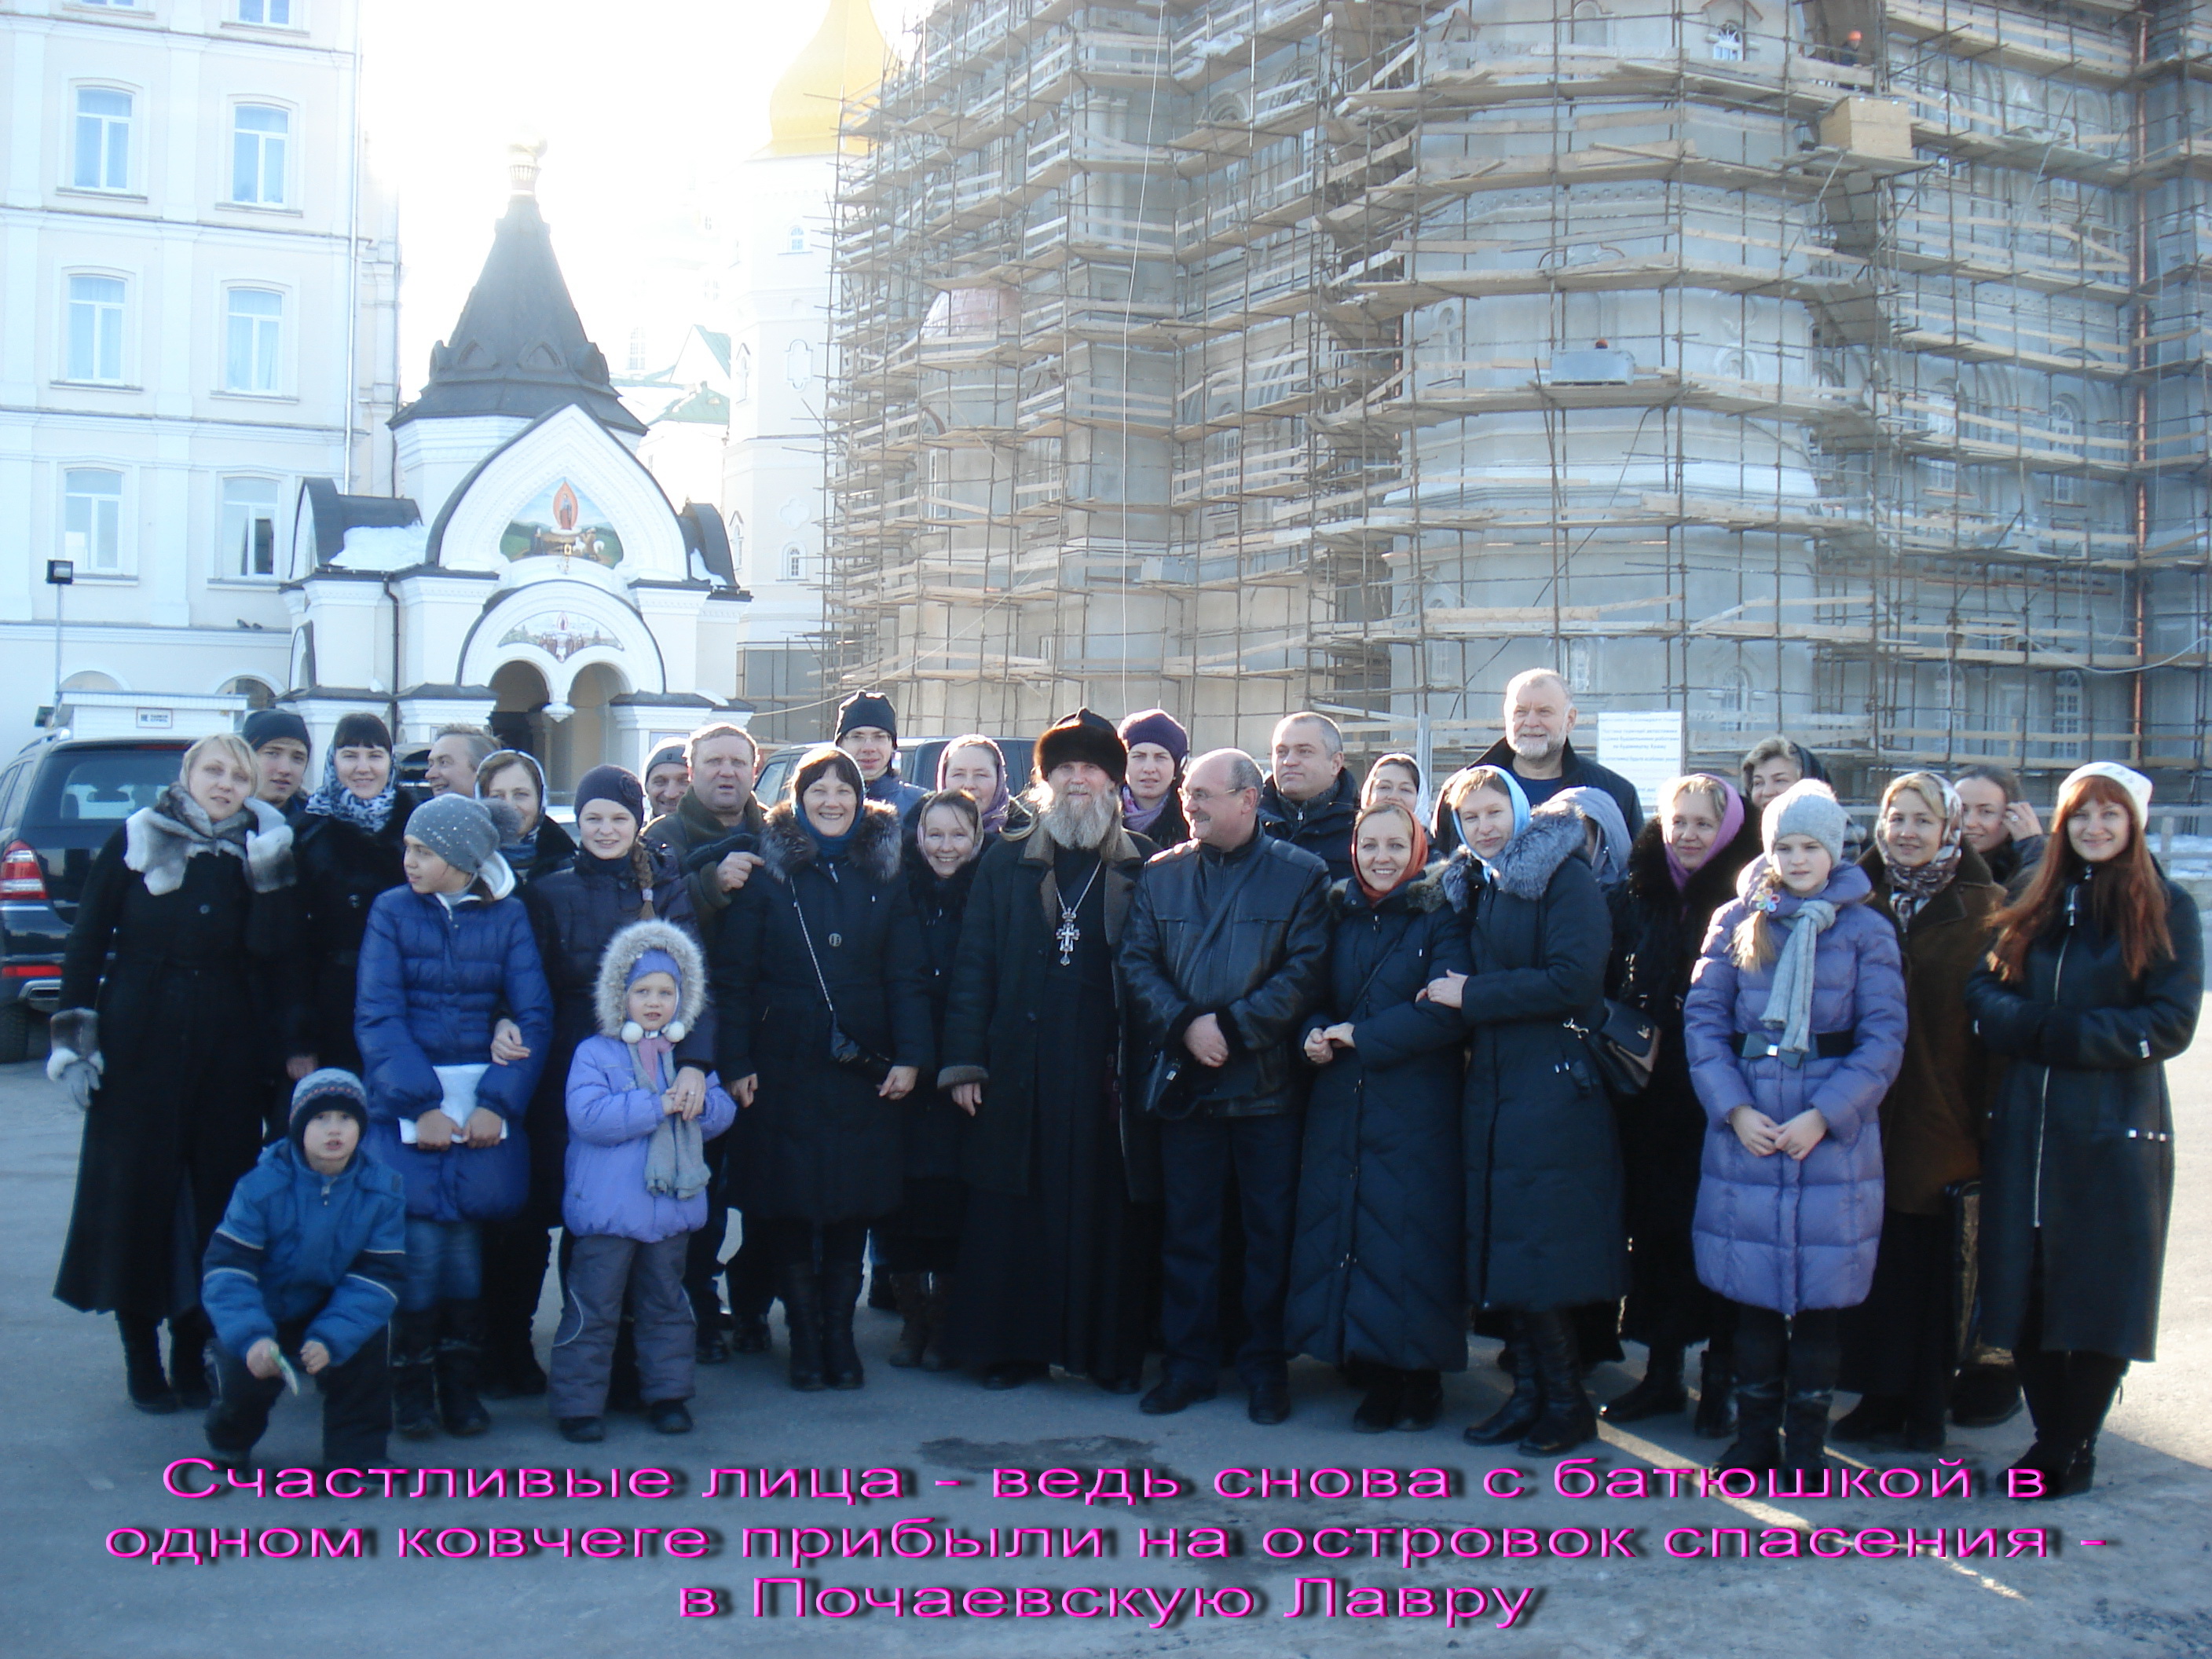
column 186, row 1038
column 549, row 847
column 818, row 1144
column 342, row 868
column 1543, row 1167
column 933, row 1127
column 1376, row 1262
column 688, row 834
column 1322, row 827
column 991, row 1031
column 2081, row 1139
column 1261, row 972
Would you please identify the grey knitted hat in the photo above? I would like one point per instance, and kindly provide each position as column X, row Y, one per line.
column 457, row 829
column 1805, row 808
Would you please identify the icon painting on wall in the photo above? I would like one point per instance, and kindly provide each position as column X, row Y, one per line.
column 556, row 636
column 561, row 522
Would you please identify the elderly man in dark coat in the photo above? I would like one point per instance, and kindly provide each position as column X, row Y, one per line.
column 1052, row 1263
column 1227, row 953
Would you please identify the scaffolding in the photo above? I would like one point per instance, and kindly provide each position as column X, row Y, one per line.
column 1834, row 368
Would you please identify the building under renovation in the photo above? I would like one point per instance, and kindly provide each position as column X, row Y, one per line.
column 1833, row 368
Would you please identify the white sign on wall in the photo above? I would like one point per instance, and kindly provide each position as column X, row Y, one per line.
column 1646, row 748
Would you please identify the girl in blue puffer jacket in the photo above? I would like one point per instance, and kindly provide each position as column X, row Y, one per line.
column 442, row 959
column 636, row 1181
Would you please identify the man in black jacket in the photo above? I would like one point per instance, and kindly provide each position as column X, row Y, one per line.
column 1310, row 799
column 1226, row 952
column 1538, row 750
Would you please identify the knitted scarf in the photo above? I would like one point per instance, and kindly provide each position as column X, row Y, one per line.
column 675, row 1159
column 1789, row 1001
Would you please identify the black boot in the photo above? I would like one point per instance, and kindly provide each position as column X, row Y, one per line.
column 1805, row 1422
column 801, row 1289
column 1660, row 1392
column 1568, row 1418
column 1716, row 1418
column 1521, row 1409
column 841, row 1291
column 1419, row 1402
column 142, row 1365
column 911, row 1290
column 1876, row 1418
column 2043, row 1379
column 414, row 1377
column 188, row 1366
column 1378, row 1412
column 938, row 1310
column 1985, row 1395
column 2089, row 1381
column 460, row 1351
column 1757, row 1444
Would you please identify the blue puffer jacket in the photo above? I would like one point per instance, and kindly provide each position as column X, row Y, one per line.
column 433, row 983
column 293, row 1244
column 1771, row 1231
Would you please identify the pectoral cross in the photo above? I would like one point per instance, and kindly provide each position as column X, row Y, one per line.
column 1066, row 933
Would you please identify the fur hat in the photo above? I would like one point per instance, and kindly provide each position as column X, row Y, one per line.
column 648, row 947
column 1083, row 736
column 1806, row 808
column 868, row 709
column 1156, row 726
column 2135, row 783
column 330, row 1090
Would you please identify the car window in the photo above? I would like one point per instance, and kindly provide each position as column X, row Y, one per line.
column 100, row 786
column 11, row 784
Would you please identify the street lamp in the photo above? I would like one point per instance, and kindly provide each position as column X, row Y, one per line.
column 60, row 573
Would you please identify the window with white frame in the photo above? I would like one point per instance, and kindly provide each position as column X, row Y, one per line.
column 794, row 238
column 249, row 528
column 254, row 320
column 2066, row 714
column 1728, row 43
column 260, row 136
column 102, row 139
column 95, row 351
column 738, row 542
column 794, row 563
column 741, row 376
column 92, row 518
column 2066, row 438
column 636, row 359
column 276, row 13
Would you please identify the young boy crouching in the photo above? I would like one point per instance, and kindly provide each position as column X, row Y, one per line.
column 305, row 1271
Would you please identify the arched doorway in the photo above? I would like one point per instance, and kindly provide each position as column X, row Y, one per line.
column 585, row 739
column 517, row 718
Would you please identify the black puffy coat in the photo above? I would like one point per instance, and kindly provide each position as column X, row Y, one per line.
column 818, row 1144
column 933, row 1127
column 184, row 1037
column 547, row 849
column 342, row 868
column 1376, row 1262
column 1262, row 970
column 1322, row 827
column 1543, row 1167
column 2081, row 1139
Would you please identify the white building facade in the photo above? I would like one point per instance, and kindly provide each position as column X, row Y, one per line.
column 198, row 311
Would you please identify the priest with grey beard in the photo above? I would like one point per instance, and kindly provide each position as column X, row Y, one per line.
column 1055, row 1261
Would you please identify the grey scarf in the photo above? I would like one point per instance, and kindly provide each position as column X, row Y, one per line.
column 676, row 1158
column 1789, row 1002
column 158, row 839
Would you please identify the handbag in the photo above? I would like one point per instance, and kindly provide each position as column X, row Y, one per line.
column 1172, row 1083
column 843, row 1050
column 1623, row 1047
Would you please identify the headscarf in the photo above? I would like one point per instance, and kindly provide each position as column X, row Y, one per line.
column 994, row 810
column 1416, row 861
column 1912, row 888
column 1514, row 792
column 1732, row 817
column 332, row 800
column 1613, row 838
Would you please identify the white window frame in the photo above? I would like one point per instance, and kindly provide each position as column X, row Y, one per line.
column 792, row 568
column 795, row 238
column 265, row 344
column 129, row 125
column 101, row 337
column 282, row 142
column 88, row 524
column 234, row 559
column 741, row 376
column 289, row 21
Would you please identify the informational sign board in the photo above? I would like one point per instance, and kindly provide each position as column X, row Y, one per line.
column 1646, row 748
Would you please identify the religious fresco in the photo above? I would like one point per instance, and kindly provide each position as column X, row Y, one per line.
column 561, row 522
column 560, row 639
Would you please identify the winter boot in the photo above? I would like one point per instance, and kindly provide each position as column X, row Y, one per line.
column 188, row 1366
column 1877, row 1417
column 414, row 1380
column 1505, row 1426
column 142, row 1365
column 2043, row 1384
column 939, row 1313
column 1660, row 1392
column 841, row 1290
column 912, row 1341
column 1716, row 1418
column 1757, row 1444
column 1985, row 1395
column 1419, row 1403
column 1805, row 1423
column 1568, row 1418
column 2087, row 1384
column 460, row 1351
column 800, row 1287
column 1378, row 1412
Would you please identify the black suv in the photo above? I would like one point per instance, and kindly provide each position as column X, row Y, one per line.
column 60, row 799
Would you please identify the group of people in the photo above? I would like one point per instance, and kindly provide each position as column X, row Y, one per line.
column 1161, row 1052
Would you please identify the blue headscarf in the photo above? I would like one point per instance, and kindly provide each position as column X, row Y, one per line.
column 332, row 800
column 1514, row 792
column 1611, row 861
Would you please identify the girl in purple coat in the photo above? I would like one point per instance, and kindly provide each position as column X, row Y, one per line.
column 1795, row 1029
column 636, row 1188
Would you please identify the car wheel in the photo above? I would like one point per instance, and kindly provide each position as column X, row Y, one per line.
column 14, row 1033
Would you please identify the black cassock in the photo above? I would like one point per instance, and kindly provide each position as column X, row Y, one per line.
column 1059, row 1275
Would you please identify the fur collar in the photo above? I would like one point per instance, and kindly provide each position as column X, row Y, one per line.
column 1425, row 893
column 157, row 846
column 610, row 994
column 1712, row 884
column 786, row 848
column 1527, row 866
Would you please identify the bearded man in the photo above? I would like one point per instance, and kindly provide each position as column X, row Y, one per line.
column 1055, row 1261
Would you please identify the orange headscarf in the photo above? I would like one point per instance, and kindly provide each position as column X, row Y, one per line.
column 1414, row 865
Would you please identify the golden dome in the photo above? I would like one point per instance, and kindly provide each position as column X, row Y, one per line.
column 844, row 60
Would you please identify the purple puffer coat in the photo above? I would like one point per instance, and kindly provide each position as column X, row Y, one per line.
column 1771, row 1231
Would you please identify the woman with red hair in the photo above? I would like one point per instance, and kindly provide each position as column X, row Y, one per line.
column 2093, row 983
